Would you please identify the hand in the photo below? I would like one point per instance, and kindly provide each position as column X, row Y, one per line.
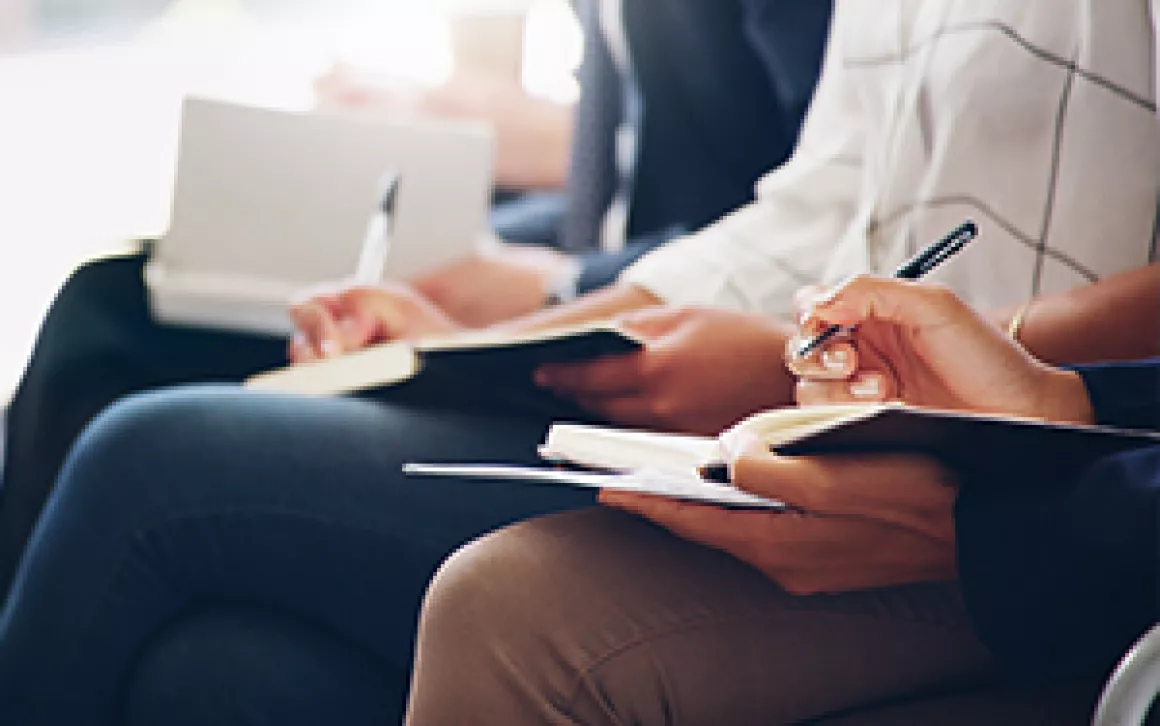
column 921, row 345
column 346, row 87
column 489, row 288
column 701, row 371
column 860, row 522
column 343, row 319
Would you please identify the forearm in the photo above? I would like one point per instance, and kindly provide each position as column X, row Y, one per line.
column 1117, row 318
column 599, row 305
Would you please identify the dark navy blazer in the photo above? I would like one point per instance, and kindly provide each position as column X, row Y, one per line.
column 725, row 85
column 1061, row 579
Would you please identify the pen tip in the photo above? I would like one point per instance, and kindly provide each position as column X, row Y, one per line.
column 716, row 472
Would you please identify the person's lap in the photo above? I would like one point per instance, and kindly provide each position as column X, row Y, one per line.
column 158, row 469
column 100, row 343
column 189, row 498
column 599, row 618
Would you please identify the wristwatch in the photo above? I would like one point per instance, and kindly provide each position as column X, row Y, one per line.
column 563, row 286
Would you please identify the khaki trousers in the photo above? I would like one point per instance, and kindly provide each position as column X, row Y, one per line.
column 596, row 617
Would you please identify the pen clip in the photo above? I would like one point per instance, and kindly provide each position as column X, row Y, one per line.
column 377, row 241
column 926, row 260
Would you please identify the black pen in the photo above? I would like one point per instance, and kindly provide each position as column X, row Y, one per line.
column 926, row 260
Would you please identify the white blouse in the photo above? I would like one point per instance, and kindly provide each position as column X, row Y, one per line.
column 1035, row 118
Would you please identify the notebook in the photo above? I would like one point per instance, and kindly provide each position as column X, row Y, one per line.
column 268, row 203
column 480, row 359
column 986, row 448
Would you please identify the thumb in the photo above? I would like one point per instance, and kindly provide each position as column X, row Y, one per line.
column 653, row 322
column 372, row 315
column 797, row 481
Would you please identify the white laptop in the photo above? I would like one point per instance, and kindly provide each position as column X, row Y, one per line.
column 267, row 203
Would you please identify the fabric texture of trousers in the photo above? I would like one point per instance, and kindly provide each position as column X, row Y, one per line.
column 238, row 667
column 598, row 618
column 99, row 343
column 208, row 497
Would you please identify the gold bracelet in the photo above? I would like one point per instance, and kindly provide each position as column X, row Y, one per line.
column 1016, row 325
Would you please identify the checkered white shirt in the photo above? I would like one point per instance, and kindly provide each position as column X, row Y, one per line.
column 1035, row 118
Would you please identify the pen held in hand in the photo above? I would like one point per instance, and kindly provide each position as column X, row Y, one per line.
column 916, row 267
column 717, row 472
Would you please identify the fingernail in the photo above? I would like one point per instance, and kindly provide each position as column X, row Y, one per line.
column 828, row 297
column 867, row 387
column 330, row 348
column 835, row 359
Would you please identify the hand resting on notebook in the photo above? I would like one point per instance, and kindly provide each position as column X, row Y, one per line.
column 866, row 522
column 701, row 370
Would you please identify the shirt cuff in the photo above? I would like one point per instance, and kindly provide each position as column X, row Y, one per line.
column 1126, row 395
column 688, row 272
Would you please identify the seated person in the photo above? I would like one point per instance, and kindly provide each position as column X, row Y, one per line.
column 707, row 137
column 533, row 136
column 598, row 618
column 284, row 527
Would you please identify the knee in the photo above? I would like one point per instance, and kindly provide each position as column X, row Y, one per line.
column 234, row 667
column 484, row 595
column 142, row 440
column 89, row 319
column 513, row 601
column 482, row 636
column 514, row 623
column 94, row 296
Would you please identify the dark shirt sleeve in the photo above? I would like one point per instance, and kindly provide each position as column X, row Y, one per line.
column 1061, row 580
column 1126, row 395
column 790, row 39
column 600, row 269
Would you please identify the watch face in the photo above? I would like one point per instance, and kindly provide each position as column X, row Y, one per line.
column 562, row 288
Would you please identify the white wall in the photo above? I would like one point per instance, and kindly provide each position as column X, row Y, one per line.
column 15, row 22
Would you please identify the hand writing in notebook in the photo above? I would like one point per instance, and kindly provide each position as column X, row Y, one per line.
column 348, row 317
column 866, row 522
column 700, row 371
column 921, row 345
column 872, row 520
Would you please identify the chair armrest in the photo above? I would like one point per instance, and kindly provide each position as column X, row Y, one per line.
column 1134, row 686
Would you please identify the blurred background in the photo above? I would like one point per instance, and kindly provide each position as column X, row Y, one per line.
column 90, row 95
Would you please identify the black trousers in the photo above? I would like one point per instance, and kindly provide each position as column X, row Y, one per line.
column 99, row 344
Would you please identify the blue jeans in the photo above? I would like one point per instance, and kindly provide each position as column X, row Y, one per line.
column 291, row 513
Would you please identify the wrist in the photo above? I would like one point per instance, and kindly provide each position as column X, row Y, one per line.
column 562, row 285
column 1064, row 398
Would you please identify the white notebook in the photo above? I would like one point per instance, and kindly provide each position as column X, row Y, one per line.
column 670, row 464
column 676, row 485
column 267, row 203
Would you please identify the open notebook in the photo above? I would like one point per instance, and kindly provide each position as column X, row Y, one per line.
column 985, row 447
column 268, row 203
column 484, row 358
